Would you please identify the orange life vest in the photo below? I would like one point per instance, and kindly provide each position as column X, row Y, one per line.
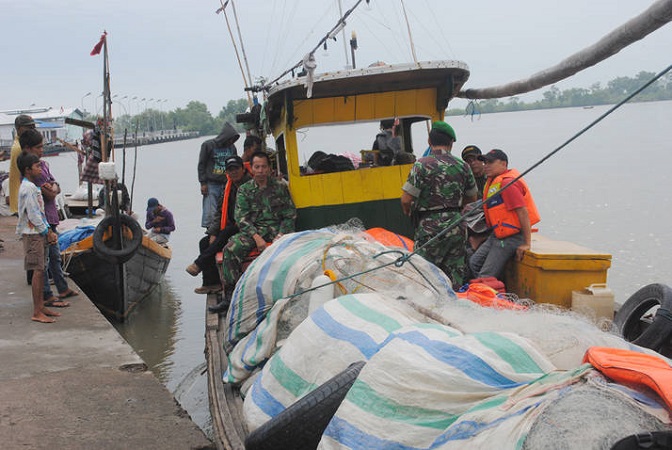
column 630, row 367
column 504, row 222
column 225, row 202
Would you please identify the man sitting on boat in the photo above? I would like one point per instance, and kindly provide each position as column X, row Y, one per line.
column 222, row 227
column 509, row 212
column 264, row 212
column 387, row 143
column 160, row 222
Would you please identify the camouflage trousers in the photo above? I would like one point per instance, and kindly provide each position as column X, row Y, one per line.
column 236, row 250
column 448, row 253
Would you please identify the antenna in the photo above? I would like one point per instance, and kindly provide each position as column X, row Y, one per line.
column 345, row 44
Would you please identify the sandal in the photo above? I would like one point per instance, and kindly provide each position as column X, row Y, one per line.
column 68, row 294
column 56, row 303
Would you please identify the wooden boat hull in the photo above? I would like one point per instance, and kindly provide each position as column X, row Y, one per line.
column 117, row 288
column 226, row 404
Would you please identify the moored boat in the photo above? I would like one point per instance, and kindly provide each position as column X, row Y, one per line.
column 117, row 287
column 115, row 264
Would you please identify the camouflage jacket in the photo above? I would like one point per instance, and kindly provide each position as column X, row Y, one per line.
column 267, row 211
column 439, row 182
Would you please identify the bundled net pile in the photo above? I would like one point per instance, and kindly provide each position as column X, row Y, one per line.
column 262, row 313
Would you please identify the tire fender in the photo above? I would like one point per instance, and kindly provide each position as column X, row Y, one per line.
column 300, row 426
column 128, row 247
column 629, row 315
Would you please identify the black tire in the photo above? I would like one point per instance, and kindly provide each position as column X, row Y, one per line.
column 300, row 426
column 656, row 440
column 128, row 247
column 638, row 324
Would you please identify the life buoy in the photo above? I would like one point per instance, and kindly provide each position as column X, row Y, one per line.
column 128, row 246
column 300, row 426
column 637, row 323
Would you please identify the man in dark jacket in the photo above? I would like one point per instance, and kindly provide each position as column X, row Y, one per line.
column 212, row 169
column 222, row 227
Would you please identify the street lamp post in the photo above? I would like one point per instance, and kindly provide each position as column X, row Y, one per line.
column 83, row 96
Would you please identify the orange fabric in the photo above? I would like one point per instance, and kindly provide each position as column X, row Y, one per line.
column 390, row 239
column 506, row 222
column 630, row 367
column 484, row 295
column 225, row 202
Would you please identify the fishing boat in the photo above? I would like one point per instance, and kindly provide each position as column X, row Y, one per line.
column 115, row 263
column 281, row 393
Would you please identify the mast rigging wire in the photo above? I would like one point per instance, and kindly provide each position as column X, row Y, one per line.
column 235, row 48
column 340, row 23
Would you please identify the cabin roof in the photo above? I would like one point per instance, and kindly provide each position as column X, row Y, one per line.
column 381, row 78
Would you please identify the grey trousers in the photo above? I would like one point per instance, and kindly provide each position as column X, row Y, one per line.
column 491, row 257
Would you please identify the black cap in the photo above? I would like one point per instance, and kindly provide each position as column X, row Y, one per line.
column 493, row 155
column 23, row 121
column 233, row 161
column 471, row 150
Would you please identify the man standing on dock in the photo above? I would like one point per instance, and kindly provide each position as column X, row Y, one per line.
column 509, row 213
column 438, row 186
column 21, row 124
column 212, row 169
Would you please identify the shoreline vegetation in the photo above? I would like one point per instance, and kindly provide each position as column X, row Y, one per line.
column 595, row 95
column 195, row 117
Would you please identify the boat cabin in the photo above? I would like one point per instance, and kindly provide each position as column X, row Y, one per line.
column 325, row 119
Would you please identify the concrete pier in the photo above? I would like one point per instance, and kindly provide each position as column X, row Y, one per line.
column 76, row 383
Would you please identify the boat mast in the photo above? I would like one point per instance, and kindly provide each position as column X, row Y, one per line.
column 107, row 105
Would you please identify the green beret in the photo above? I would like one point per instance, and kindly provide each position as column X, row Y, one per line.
column 443, row 127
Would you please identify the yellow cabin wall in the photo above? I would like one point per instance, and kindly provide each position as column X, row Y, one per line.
column 362, row 185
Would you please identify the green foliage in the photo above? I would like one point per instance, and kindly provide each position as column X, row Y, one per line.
column 615, row 91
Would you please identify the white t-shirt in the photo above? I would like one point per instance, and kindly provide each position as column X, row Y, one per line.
column 4, row 199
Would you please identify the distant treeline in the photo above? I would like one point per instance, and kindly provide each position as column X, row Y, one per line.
column 615, row 91
column 196, row 117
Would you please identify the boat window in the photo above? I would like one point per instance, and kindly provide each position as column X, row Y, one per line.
column 341, row 147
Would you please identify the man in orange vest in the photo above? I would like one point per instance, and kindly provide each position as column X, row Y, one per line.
column 510, row 213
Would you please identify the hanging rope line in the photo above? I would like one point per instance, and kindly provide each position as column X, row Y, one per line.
column 405, row 257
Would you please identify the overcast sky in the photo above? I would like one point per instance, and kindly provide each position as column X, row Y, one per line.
column 180, row 50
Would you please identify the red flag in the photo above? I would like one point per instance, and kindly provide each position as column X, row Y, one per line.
column 99, row 45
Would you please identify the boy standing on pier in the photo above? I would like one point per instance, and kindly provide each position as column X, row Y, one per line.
column 34, row 231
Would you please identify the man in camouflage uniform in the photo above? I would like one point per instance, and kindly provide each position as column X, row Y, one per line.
column 264, row 212
column 437, row 188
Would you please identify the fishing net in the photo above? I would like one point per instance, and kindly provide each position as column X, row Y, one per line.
column 272, row 296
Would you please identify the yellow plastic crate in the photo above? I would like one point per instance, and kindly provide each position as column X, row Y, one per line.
column 551, row 270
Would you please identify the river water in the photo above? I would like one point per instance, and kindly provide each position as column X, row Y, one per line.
column 606, row 191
